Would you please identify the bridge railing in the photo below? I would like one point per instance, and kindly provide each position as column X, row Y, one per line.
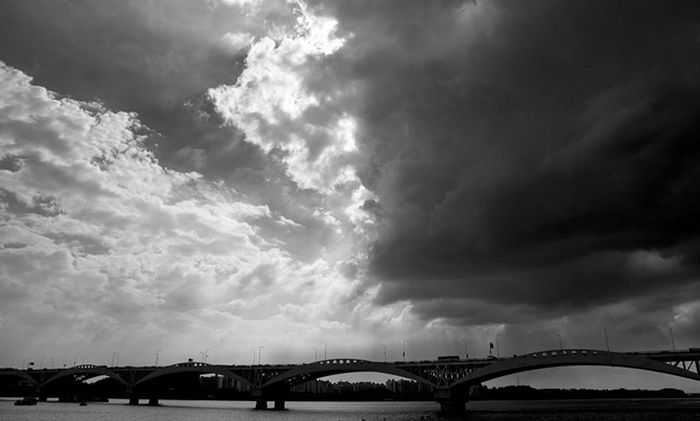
column 563, row 352
column 190, row 364
column 337, row 361
column 81, row 366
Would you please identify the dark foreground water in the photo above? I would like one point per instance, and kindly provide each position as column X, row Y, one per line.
column 568, row 410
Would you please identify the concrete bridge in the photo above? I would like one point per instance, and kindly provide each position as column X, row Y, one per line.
column 449, row 379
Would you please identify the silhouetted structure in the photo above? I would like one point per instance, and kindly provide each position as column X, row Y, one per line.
column 448, row 380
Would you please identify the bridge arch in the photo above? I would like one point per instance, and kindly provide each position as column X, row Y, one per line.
column 13, row 372
column 192, row 367
column 571, row 357
column 307, row 372
column 97, row 370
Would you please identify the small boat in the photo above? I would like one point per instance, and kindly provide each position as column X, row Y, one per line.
column 26, row 401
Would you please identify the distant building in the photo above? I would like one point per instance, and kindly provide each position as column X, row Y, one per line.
column 407, row 387
column 315, row 387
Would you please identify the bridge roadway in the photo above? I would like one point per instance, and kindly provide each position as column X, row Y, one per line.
column 449, row 380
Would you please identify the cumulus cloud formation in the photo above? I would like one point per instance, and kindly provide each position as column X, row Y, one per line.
column 270, row 101
column 98, row 236
column 281, row 105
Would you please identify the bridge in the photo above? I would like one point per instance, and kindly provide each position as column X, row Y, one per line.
column 449, row 379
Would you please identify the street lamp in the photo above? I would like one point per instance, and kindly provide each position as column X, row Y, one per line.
column 206, row 354
column 466, row 349
column 325, row 351
column 384, row 352
column 673, row 342
column 260, row 353
column 498, row 346
column 607, row 344
column 315, row 354
column 157, row 352
column 251, row 349
column 560, row 345
column 404, row 350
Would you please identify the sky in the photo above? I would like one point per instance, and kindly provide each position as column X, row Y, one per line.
column 291, row 180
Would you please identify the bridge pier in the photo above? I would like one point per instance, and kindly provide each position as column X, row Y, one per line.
column 133, row 400
column 450, row 401
column 276, row 395
column 262, row 404
column 452, row 405
column 153, row 402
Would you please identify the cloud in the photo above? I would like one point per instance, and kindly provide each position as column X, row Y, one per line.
column 237, row 41
column 270, row 96
column 354, row 173
column 156, row 59
column 284, row 103
column 521, row 160
column 99, row 236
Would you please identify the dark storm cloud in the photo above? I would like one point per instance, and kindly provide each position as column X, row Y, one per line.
column 130, row 54
column 530, row 153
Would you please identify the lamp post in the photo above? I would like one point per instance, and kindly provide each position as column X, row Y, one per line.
column 251, row 349
column 325, row 351
column 673, row 342
column 404, row 350
column 560, row 345
column 384, row 345
column 498, row 346
column 157, row 352
column 315, row 354
column 260, row 353
column 466, row 349
column 607, row 344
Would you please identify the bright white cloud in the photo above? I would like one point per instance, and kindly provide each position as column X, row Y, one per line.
column 235, row 42
column 280, row 106
column 270, row 100
column 100, row 241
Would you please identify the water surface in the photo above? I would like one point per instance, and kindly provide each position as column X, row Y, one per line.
column 171, row 410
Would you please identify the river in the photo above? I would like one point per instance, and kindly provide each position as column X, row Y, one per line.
column 170, row 410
